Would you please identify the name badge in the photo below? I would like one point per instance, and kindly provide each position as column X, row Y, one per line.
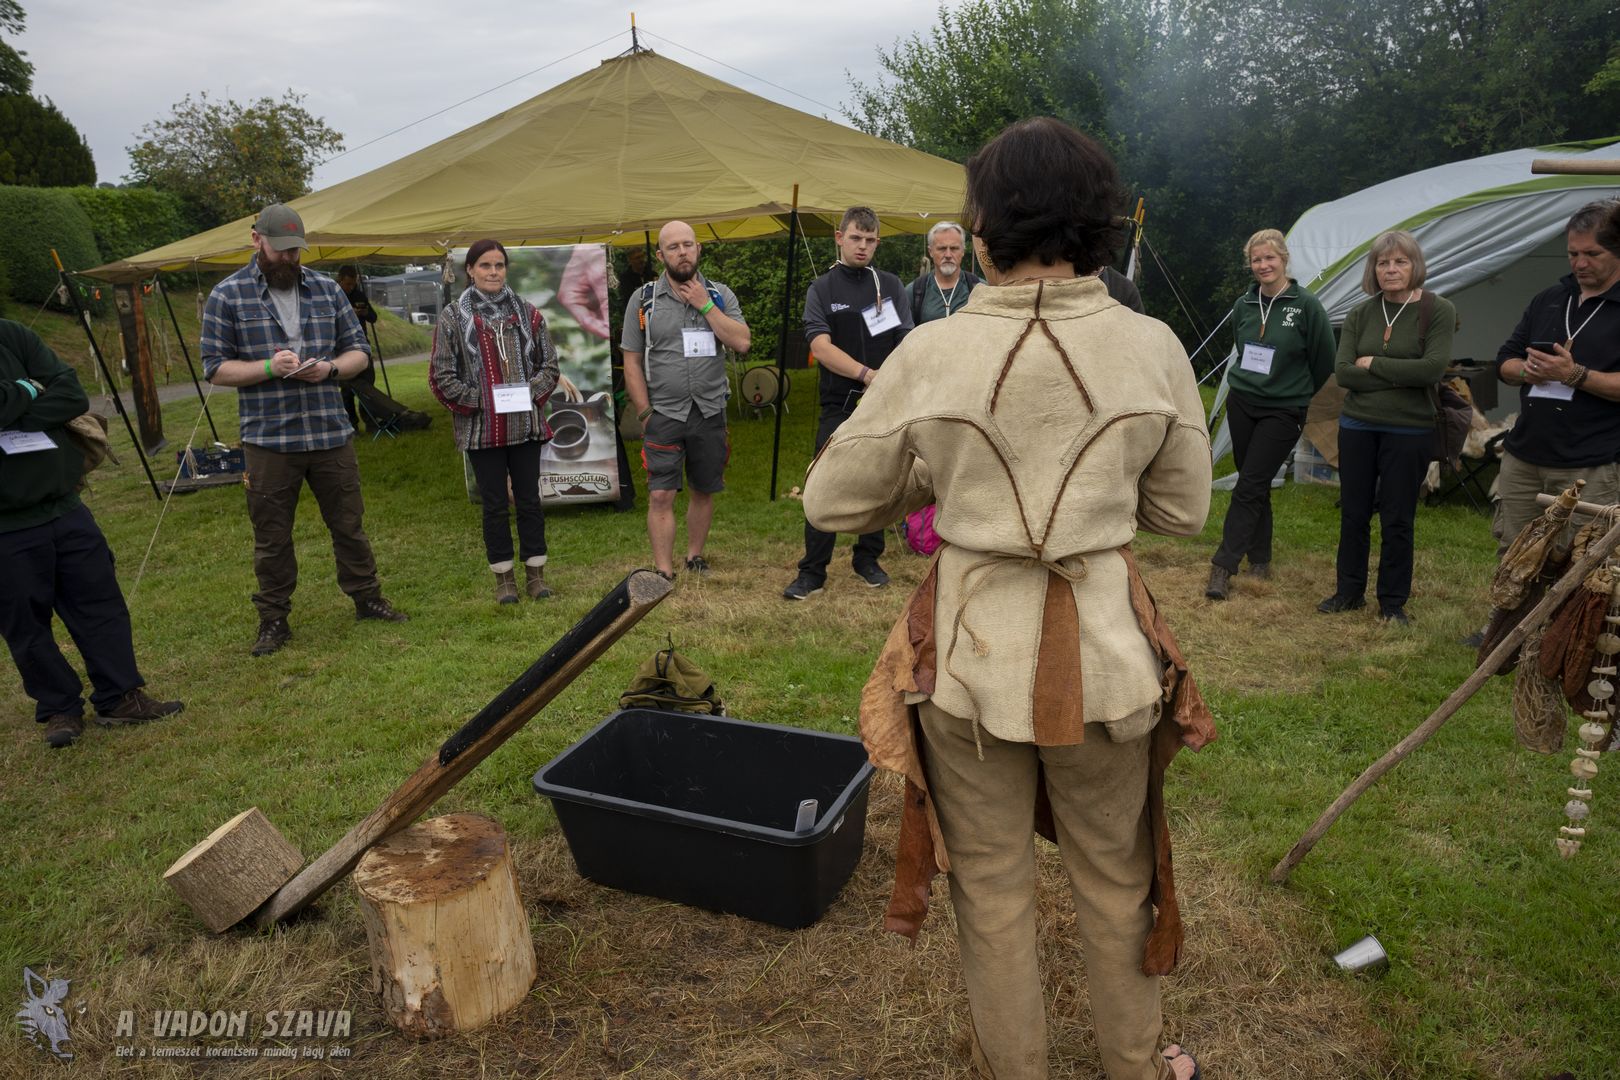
column 512, row 397
column 1555, row 390
column 25, row 442
column 1257, row 358
column 880, row 317
column 697, row 342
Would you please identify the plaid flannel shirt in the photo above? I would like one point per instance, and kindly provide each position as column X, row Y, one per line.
column 240, row 323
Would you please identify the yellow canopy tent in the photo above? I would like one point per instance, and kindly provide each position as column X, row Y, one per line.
column 600, row 158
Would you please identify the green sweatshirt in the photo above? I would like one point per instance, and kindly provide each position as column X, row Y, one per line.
column 1398, row 390
column 42, row 485
column 1298, row 328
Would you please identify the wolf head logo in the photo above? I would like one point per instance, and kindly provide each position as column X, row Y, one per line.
column 42, row 1016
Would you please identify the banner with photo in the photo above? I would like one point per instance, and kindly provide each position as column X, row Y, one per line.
column 580, row 463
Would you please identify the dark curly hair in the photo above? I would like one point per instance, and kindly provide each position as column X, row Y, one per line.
column 479, row 249
column 1043, row 190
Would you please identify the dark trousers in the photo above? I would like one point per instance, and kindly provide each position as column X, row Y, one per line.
column 818, row 545
column 1262, row 437
column 65, row 566
column 491, row 467
column 1383, row 472
column 367, row 377
column 274, row 481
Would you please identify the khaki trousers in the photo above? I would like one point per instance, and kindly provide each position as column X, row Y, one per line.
column 986, row 810
column 1519, row 482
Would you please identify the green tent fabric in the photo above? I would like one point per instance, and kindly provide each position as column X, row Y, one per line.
column 600, row 158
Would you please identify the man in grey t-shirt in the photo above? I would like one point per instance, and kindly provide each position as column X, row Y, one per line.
column 675, row 373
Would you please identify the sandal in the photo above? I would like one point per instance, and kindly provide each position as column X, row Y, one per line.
column 1166, row 1053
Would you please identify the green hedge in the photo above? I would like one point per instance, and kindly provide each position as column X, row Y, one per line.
column 128, row 221
column 32, row 222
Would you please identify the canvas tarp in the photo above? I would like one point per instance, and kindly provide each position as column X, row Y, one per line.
column 621, row 149
column 1491, row 233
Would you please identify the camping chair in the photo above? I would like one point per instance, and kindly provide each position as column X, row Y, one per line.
column 379, row 423
column 1472, row 478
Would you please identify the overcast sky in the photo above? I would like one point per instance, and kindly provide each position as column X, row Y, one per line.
column 370, row 66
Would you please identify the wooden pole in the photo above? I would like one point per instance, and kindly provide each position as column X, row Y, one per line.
column 1577, row 166
column 1420, row 735
column 781, row 352
column 138, row 362
column 498, row 721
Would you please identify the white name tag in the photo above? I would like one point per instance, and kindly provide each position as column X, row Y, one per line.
column 512, row 397
column 1257, row 358
column 698, row 342
column 25, row 442
column 1555, row 390
column 880, row 318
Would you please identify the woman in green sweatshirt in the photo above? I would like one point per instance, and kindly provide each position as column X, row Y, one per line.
column 1392, row 351
column 1284, row 355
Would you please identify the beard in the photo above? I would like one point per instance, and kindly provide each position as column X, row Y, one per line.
column 280, row 275
column 681, row 275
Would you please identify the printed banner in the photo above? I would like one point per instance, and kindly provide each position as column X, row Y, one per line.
column 569, row 285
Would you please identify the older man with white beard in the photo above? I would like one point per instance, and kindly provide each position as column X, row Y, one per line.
column 940, row 293
column 675, row 374
column 284, row 336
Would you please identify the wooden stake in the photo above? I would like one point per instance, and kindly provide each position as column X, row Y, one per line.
column 621, row 609
column 1567, row 584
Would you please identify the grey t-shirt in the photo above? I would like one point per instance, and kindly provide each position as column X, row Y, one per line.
column 674, row 382
column 286, row 305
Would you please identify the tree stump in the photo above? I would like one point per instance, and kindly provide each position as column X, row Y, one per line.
column 450, row 942
column 238, row 867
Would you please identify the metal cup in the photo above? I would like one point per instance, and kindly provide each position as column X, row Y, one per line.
column 1365, row 955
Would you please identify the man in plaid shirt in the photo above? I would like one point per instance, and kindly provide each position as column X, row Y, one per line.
column 284, row 337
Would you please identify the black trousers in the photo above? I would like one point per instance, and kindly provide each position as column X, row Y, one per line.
column 818, row 545
column 65, row 566
column 1379, row 471
column 521, row 462
column 1262, row 437
column 367, row 377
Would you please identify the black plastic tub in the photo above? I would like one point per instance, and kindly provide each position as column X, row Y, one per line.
column 702, row 810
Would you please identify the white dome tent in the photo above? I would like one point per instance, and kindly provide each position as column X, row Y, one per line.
column 1492, row 234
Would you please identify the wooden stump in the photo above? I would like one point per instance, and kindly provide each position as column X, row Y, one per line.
column 238, row 867
column 450, row 943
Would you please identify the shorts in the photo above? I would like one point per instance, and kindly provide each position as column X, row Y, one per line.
column 700, row 442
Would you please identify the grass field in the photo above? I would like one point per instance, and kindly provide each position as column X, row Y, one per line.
column 1504, row 957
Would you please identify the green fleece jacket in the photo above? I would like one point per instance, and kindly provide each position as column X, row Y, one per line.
column 1298, row 328
column 42, row 485
column 1398, row 390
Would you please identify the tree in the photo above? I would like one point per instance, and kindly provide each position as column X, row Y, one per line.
column 226, row 160
column 16, row 73
column 39, row 147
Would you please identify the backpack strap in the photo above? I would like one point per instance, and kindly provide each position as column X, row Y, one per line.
column 1425, row 316
column 917, row 299
column 646, row 303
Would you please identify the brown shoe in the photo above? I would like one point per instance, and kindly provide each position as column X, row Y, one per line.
column 505, row 587
column 534, row 582
column 377, row 608
column 137, row 707
column 273, row 634
column 63, row 730
column 1219, row 579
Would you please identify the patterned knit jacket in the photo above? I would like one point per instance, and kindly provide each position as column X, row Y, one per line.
column 465, row 384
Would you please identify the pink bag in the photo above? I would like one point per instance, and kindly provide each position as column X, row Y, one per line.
column 918, row 529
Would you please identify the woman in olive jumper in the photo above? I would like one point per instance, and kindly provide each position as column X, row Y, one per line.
column 1392, row 351
column 1284, row 355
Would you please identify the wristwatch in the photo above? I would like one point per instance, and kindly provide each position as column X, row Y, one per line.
column 331, row 369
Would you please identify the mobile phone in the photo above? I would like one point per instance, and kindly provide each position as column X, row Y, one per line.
column 1546, row 346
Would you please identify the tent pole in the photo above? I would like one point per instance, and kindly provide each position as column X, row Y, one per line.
column 112, row 387
column 185, row 352
column 376, row 347
column 781, row 350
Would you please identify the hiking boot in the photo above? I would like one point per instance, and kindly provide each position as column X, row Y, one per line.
column 505, row 587
column 697, row 564
column 1336, row 603
column 273, row 634
column 377, row 608
column 1395, row 616
column 804, row 586
column 873, row 575
column 1261, row 570
column 534, row 582
column 63, row 730
column 1219, row 580
column 137, row 707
